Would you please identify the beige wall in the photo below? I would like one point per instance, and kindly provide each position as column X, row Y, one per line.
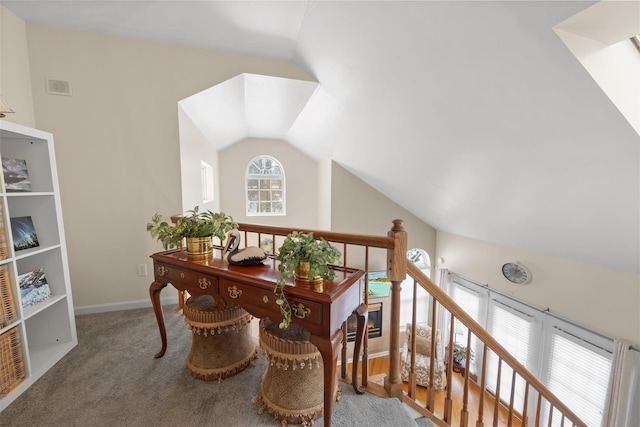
column 300, row 180
column 359, row 208
column 194, row 149
column 15, row 86
column 117, row 143
column 602, row 299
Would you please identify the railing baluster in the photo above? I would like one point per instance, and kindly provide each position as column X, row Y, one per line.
column 538, row 409
column 464, row 412
column 512, row 397
column 526, row 404
column 432, row 355
column 365, row 349
column 496, row 402
column 448, row 403
column 483, row 388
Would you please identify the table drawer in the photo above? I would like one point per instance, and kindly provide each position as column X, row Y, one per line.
column 303, row 311
column 185, row 279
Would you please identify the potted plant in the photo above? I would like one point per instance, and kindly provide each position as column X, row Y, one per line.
column 460, row 354
column 197, row 228
column 307, row 259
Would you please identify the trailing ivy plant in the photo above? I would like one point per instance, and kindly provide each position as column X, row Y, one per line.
column 196, row 224
column 302, row 247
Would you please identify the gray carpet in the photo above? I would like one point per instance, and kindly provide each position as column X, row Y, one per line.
column 112, row 379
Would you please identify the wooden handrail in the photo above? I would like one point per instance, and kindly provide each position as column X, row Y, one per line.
column 474, row 327
column 397, row 268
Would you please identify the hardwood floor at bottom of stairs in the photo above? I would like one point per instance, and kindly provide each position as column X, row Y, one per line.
column 379, row 366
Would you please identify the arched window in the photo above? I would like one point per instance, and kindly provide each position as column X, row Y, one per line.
column 421, row 260
column 265, row 187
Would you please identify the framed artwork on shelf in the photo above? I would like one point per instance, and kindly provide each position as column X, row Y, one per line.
column 16, row 176
column 33, row 287
column 24, row 233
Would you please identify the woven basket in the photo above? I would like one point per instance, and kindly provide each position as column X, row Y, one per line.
column 4, row 253
column 7, row 307
column 11, row 362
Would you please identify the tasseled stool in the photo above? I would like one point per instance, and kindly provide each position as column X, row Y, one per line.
column 222, row 344
column 293, row 384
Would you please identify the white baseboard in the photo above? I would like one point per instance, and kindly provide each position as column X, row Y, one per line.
column 118, row 306
column 370, row 356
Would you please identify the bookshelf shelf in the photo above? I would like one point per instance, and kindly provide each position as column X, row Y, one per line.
column 45, row 330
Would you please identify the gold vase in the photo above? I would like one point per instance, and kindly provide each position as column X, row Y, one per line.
column 302, row 276
column 199, row 247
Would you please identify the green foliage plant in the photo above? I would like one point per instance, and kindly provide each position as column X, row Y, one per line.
column 195, row 224
column 302, row 247
column 460, row 353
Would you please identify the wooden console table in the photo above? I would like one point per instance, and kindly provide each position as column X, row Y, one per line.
column 321, row 312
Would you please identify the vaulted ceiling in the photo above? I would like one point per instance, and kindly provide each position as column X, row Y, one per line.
column 473, row 115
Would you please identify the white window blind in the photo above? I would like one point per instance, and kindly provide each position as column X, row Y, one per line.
column 513, row 329
column 469, row 301
column 578, row 373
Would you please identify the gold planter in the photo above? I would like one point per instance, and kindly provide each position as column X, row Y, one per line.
column 199, row 247
column 302, row 276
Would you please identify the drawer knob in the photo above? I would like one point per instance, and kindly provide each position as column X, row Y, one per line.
column 162, row 271
column 300, row 311
column 204, row 283
column 265, row 299
column 182, row 275
column 234, row 292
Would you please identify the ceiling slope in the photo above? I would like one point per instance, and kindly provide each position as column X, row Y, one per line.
column 472, row 115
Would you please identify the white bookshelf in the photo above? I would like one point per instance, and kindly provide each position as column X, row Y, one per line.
column 47, row 330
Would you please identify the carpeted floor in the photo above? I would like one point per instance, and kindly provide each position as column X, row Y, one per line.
column 112, row 379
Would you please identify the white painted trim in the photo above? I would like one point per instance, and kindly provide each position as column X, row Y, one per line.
column 371, row 356
column 118, row 306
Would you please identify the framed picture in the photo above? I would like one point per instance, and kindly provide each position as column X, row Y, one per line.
column 24, row 233
column 16, row 176
column 33, row 287
column 379, row 284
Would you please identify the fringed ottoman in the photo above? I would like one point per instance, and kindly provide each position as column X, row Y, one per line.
column 222, row 344
column 293, row 384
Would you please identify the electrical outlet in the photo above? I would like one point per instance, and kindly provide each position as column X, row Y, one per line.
column 142, row 270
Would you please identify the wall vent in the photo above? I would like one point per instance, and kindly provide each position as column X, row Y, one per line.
column 58, row 87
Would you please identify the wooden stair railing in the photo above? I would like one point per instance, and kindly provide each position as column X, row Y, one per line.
column 395, row 244
column 533, row 386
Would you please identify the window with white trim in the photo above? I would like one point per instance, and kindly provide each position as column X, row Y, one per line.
column 265, row 187
column 582, row 390
column 206, row 176
column 572, row 361
column 518, row 332
column 422, row 260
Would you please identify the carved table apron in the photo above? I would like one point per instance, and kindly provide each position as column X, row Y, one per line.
column 321, row 311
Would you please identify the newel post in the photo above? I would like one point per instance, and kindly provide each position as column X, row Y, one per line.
column 397, row 272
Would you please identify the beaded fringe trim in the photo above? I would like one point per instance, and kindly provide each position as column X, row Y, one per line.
column 286, row 353
column 221, row 373
column 210, row 322
column 304, row 417
column 207, row 329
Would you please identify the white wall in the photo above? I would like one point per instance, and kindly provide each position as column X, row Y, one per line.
column 194, row 149
column 600, row 298
column 15, row 85
column 117, row 143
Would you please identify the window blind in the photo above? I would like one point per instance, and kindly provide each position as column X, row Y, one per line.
column 513, row 330
column 578, row 375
